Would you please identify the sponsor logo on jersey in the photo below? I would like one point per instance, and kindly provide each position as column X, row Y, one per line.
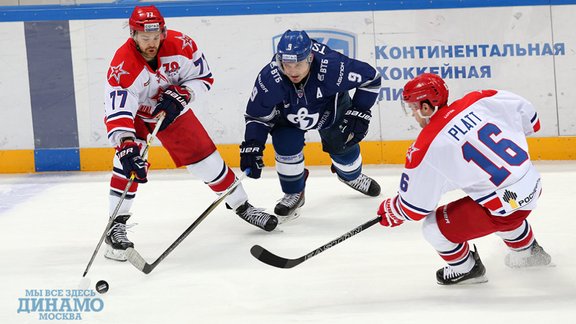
column 510, row 197
column 341, row 41
column 261, row 84
column 526, row 200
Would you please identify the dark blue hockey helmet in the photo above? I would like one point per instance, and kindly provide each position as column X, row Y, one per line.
column 294, row 46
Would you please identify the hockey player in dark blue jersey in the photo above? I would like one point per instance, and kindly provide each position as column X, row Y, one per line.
column 306, row 87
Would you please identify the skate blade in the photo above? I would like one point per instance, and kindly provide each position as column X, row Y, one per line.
column 289, row 218
column 116, row 255
column 533, row 267
column 472, row 281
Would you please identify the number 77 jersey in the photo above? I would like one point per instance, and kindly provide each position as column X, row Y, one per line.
column 477, row 144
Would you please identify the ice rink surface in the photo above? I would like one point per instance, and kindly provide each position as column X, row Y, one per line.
column 51, row 223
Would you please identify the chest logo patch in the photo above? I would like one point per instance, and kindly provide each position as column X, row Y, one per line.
column 304, row 120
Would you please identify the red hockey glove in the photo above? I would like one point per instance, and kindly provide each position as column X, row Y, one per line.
column 172, row 102
column 391, row 217
column 132, row 162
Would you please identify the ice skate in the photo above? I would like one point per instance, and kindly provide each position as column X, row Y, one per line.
column 288, row 208
column 448, row 276
column 533, row 256
column 257, row 217
column 116, row 240
column 364, row 184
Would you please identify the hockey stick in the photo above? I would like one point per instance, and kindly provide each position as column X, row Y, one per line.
column 124, row 193
column 274, row 260
column 138, row 261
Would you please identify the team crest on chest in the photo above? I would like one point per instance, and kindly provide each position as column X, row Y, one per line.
column 300, row 93
column 303, row 119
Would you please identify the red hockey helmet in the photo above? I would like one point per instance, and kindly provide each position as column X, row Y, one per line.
column 147, row 19
column 427, row 86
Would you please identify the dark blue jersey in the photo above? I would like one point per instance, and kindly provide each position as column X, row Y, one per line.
column 311, row 104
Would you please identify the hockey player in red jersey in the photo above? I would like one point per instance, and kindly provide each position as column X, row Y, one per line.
column 476, row 144
column 159, row 71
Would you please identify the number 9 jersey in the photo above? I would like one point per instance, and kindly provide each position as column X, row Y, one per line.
column 477, row 144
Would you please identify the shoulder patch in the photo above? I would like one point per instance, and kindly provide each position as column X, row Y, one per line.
column 177, row 43
column 125, row 66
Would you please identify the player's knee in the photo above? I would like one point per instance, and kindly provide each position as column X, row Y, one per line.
column 430, row 230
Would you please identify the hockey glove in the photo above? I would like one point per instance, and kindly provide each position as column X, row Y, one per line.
column 354, row 126
column 132, row 162
column 172, row 101
column 391, row 217
column 251, row 157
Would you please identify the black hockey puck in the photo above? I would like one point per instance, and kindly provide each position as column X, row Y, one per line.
column 102, row 286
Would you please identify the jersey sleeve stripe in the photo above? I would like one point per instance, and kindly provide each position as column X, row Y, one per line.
column 258, row 122
column 373, row 90
column 117, row 129
column 119, row 121
column 535, row 122
column 266, row 118
column 410, row 211
column 372, row 85
column 208, row 81
column 119, row 114
column 375, row 82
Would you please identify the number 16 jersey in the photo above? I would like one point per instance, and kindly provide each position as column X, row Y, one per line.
column 477, row 144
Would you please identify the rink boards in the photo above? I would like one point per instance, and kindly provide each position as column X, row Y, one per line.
column 51, row 92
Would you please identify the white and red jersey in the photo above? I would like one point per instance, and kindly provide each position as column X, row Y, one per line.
column 133, row 87
column 477, row 144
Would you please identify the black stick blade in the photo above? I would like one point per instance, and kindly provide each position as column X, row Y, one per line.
column 271, row 259
column 148, row 268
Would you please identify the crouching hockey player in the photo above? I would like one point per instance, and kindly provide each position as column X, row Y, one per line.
column 305, row 87
column 477, row 144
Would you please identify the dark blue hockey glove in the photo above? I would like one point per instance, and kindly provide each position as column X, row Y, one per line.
column 354, row 126
column 132, row 162
column 251, row 158
column 172, row 101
